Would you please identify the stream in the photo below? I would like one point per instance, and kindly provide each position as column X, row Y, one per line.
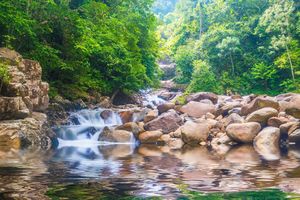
column 81, row 167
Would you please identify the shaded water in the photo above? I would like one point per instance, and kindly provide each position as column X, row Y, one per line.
column 83, row 168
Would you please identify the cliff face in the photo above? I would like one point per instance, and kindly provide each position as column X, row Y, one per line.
column 22, row 99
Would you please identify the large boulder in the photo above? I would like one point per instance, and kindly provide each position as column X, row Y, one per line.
column 203, row 95
column 258, row 103
column 262, row 115
column 25, row 81
column 294, row 137
column 167, row 122
column 266, row 143
column 13, row 108
column 150, row 137
column 165, row 107
column 116, row 136
column 243, row 132
column 197, row 109
column 293, row 107
column 194, row 133
column 25, row 132
column 131, row 127
column 151, row 115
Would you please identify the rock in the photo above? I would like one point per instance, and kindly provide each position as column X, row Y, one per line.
column 289, row 127
column 266, row 143
column 206, row 101
column 232, row 119
column 277, row 121
column 165, row 107
column 167, row 96
column 221, row 144
column 150, row 137
column 197, row 109
column 25, row 132
column 105, row 114
column 203, row 95
column 243, row 132
column 224, row 109
column 209, row 116
column 118, row 136
column 293, row 108
column 194, row 133
column 167, row 122
column 152, row 114
column 131, row 127
column 126, row 116
column 295, row 136
column 259, row 103
column 13, row 108
column 262, row 116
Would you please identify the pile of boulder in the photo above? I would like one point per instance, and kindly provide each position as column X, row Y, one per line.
column 218, row 121
column 22, row 100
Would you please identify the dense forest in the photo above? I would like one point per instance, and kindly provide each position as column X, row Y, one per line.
column 235, row 46
column 85, row 45
column 106, row 46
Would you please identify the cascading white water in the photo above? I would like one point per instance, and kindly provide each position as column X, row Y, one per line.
column 85, row 128
column 151, row 99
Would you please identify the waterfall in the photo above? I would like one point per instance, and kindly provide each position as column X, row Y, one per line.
column 85, row 126
column 151, row 99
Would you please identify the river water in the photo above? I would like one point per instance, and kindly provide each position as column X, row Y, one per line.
column 83, row 168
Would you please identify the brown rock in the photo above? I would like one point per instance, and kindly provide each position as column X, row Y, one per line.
column 293, row 108
column 197, row 109
column 203, row 95
column 131, row 127
column 165, row 107
column 118, row 136
column 277, row 121
column 167, row 122
column 126, row 116
column 244, row 132
column 266, row 143
column 150, row 137
column 13, row 108
column 232, row 118
column 262, row 115
column 194, row 133
column 105, row 114
column 295, row 136
column 259, row 103
column 152, row 114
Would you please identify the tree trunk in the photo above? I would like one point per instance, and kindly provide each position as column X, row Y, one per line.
column 114, row 95
column 232, row 64
column 290, row 61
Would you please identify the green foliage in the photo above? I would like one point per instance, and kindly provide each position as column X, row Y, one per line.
column 251, row 46
column 203, row 79
column 85, row 45
column 4, row 75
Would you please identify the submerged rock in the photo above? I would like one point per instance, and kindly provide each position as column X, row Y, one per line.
column 243, row 132
column 266, row 143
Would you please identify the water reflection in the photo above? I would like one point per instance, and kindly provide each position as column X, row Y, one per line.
column 143, row 171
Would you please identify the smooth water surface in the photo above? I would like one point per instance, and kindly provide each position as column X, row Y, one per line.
column 121, row 171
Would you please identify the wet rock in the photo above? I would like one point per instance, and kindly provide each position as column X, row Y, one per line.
column 232, row 119
column 289, row 127
column 221, row 144
column 126, row 116
column 203, row 95
column 266, row 143
column 118, row 136
column 294, row 137
column 243, row 132
column 277, row 121
column 262, row 115
column 105, row 114
column 175, row 143
column 165, row 107
column 152, row 114
column 150, row 137
column 131, row 127
column 167, row 122
column 13, row 108
column 259, row 103
column 194, row 133
column 197, row 109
